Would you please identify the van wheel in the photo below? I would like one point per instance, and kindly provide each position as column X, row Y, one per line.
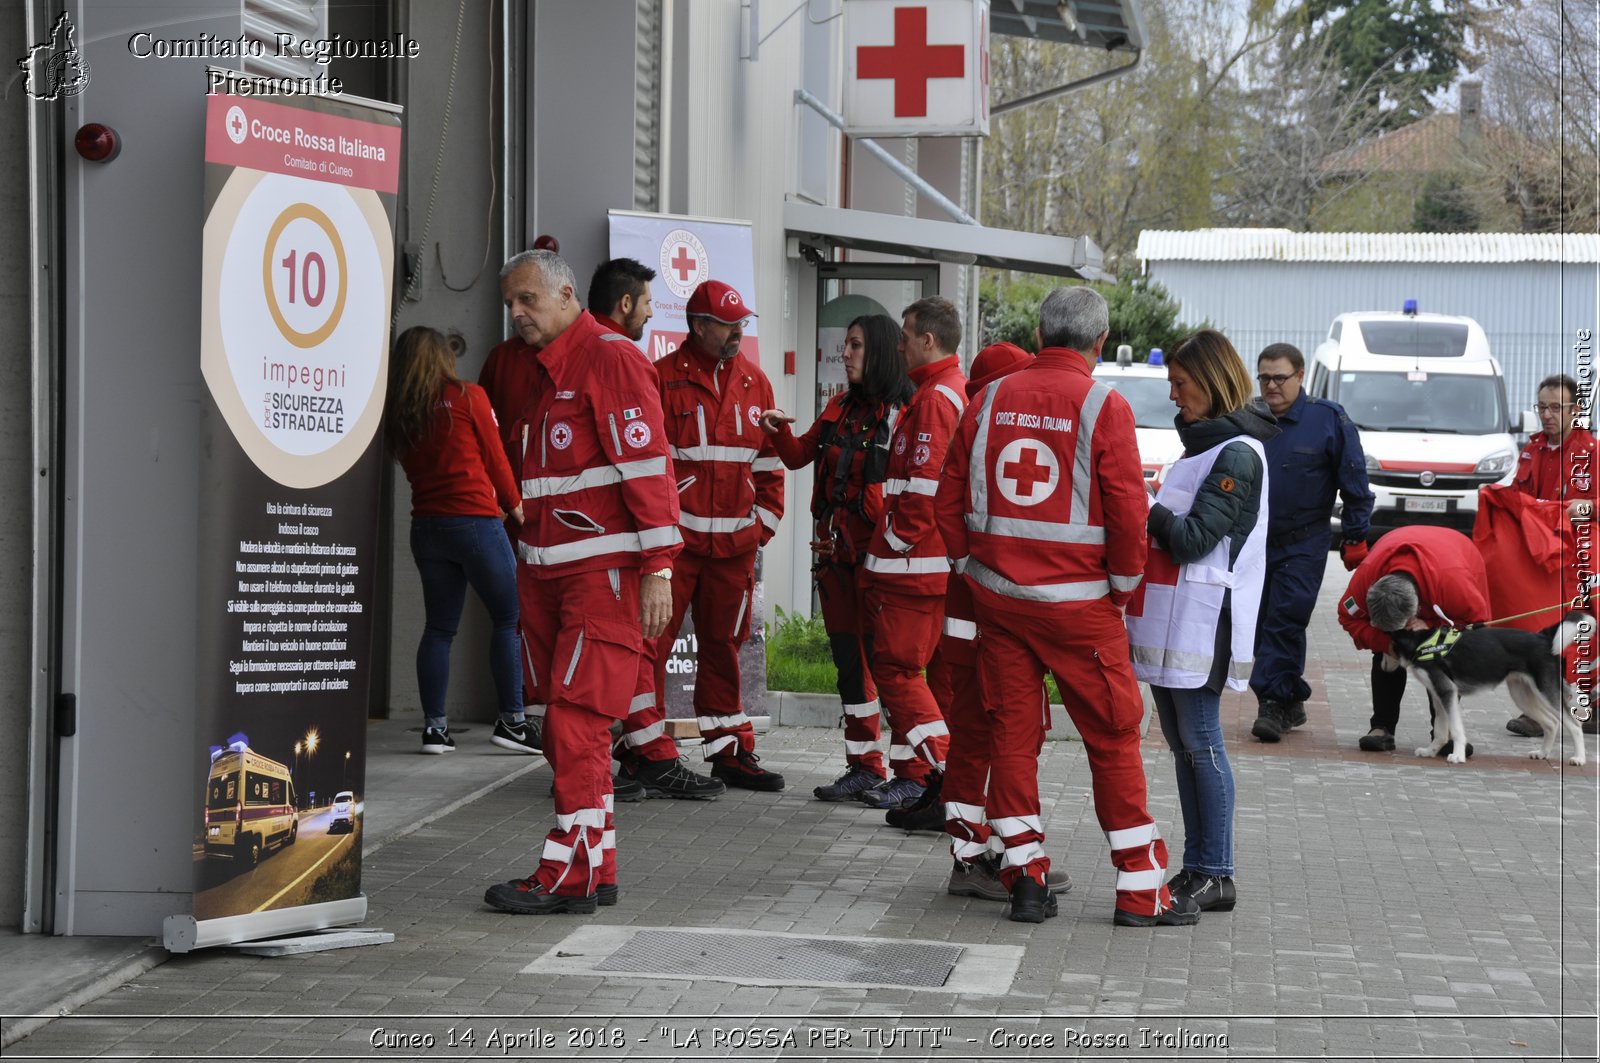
column 294, row 831
column 250, row 851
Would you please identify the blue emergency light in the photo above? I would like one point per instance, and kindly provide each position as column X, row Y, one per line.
column 1156, row 357
column 1409, row 308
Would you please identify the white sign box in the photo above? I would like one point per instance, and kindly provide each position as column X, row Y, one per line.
column 916, row 68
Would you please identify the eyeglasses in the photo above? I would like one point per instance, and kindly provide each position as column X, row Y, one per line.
column 1552, row 407
column 1275, row 380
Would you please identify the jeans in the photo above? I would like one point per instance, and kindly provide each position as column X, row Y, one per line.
column 1191, row 722
column 452, row 552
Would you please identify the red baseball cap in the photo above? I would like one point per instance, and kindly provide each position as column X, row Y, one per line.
column 719, row 302
column 994, row 362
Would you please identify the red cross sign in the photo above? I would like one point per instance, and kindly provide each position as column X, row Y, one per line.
column 683, row 264
column 1026, row 472
column 916, row 67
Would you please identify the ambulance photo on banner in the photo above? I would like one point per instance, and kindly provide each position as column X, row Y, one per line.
column 685, row 252
column 297, row 277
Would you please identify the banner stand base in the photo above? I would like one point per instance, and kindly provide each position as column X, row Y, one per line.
column 184, row 933
column 320, row 941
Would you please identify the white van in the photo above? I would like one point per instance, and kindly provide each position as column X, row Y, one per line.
column 1430, row 402
column 249, row 805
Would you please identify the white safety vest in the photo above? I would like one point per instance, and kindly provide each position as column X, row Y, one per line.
column 1173, row 639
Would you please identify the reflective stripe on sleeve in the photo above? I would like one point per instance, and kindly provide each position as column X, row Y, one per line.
column 768, row 518
column 1125, row 583
column 950, row 393
column 767, row 465
column 922, row 485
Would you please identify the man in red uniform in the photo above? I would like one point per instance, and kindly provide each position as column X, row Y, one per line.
column 1559, row 464
column 1042, row 505
column 596, row 553
column 619, row 296
column 730, row 484
column 907, row 572
column 1446, row 572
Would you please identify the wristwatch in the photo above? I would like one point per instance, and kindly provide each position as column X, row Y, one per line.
column 661, row 573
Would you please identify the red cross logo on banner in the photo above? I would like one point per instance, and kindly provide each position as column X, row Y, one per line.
column 1159, row 568
column 1026, row 472
column 683, row 264
column 911, row 62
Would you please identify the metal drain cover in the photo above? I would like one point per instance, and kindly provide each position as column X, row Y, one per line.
column 773, row 959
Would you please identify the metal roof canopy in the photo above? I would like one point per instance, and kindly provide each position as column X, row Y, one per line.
column 1110, row 25
column 944, row 241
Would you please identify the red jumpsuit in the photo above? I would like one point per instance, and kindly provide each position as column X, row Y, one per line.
column 907, row 572
column 953, row 674
column 600, row 509
column 730, row 499
column 1447, row 568
column 849, row 445
column 1042, row 504
column 1566, row 473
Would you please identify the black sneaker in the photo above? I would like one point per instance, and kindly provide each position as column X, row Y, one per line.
column 1182, row 912
column 521, row 737
column 672, row 778
column 1296, row 714
column 1031, row 902
column 1210, row 892
column 894, row 793
column 927, row 813
column 1269, row 725
column 626, row 789
column 1376, row 740
column 527, row 897
column 743, row 769
column 1525, row 726
column 437, row 740
column 981, row 878
column 854, row 780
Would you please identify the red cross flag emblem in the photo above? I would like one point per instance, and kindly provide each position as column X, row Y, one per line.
column 683, row 262
column 1026, row 472
column 916, row 67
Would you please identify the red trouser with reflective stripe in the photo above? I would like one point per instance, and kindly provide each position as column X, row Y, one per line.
column 905, row 633
column 583, row 645
column 844, row 615
column 720, row 591
column 966, row 773
column 1086, row 648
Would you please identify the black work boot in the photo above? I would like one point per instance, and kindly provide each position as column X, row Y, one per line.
column 1270, row 721
column 1031, row 902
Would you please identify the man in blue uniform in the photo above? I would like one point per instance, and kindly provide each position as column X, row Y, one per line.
column 1317, row 453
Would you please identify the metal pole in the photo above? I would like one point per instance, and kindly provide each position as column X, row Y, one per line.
column 1061, row 90
column 906, row 173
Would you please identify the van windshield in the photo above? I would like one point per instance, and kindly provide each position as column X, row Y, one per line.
column 1150, row 397
column 1422, row 402
column 1415, row 339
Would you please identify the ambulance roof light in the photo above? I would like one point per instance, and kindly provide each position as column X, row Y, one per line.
column 1409, row 308
column 1124, row 355
column 1157, row 357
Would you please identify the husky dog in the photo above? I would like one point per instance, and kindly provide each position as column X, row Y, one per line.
column 1451, row 664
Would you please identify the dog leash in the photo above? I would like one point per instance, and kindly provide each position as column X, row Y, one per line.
column 1519, row 616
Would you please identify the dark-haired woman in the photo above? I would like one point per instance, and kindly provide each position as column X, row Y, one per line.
column 442, row 431
column 849, row 447
column 1194, row 630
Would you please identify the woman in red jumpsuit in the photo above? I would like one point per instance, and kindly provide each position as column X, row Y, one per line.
column 849, row 447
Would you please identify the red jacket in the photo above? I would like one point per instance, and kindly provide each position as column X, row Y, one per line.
column 460, row 469
column 906, row 552
column 592, row 453
column 1447, row 568
column 1042, row 500
column 509, row 376
column 1561, row 473
column 730, row 481
column 850, row 445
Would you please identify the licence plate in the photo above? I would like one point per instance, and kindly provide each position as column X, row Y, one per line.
column 1425, row 505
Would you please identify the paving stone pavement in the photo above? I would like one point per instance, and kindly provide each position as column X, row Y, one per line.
column 1389, row 908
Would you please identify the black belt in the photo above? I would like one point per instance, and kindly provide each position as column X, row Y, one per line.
column 1297, row 535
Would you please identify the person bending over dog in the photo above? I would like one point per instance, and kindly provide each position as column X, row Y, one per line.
column 1430, row 577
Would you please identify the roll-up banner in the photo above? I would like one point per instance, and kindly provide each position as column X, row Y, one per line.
column 297, row 274
column 685, row 252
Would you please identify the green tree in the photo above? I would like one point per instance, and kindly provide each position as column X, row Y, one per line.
column 1141, row 313
column 1445, row 206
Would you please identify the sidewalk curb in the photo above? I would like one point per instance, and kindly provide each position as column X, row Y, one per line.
column 150, row 958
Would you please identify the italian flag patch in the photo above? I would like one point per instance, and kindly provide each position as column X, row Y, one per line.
column 1350, row 606
column 632, row 413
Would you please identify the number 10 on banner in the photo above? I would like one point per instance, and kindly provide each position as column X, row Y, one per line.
column 304, row 259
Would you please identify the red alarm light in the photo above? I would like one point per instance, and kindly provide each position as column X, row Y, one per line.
column 97, row 143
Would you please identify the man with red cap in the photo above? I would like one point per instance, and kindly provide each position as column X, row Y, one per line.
column 596, row 554
column 730, row 496
column 1042, row 505
column 906, row 571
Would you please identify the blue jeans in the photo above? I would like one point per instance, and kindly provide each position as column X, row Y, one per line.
column 1191, row 721
column 452, row 552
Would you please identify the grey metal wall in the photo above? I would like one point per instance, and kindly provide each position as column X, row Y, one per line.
column 16, row 476
column 1529, row 310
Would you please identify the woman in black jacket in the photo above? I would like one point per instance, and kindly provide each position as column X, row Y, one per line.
column 1196, row 623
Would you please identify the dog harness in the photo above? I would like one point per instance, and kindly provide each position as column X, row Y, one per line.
column 1437, row 645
